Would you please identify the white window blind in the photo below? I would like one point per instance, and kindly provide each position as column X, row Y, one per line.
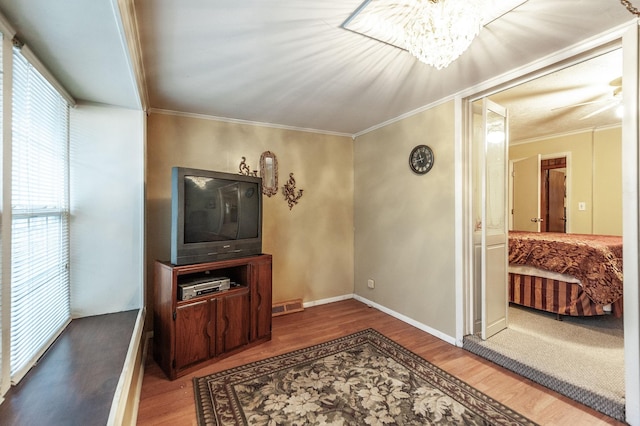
column 40, row 216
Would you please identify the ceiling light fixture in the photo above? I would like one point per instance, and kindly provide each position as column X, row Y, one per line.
column 630, row 7
column 619, row 111
column 439, row 31
column 436, row 32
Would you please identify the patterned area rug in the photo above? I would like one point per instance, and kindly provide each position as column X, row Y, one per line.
column 363, row 378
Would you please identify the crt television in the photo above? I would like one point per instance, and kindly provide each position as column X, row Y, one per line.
column 214, row 216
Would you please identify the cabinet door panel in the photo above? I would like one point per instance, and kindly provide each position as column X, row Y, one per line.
column 261, row 299
column 192, row 338
column 233, row 321
column 211, row 327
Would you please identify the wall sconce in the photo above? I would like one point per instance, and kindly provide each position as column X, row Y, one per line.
column 245, row 169
column 289, row 192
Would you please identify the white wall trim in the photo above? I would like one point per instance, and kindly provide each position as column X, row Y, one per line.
column 326, row 301
column 121, row 395
column 404, row 318
column 139, row 379
column 630, row 219
column 571, row 55
column 461, row 224
column 405, row 115
column 247, row 122
column 5, row 223
column 126, row 20
column 6, row 28
column 563, row 134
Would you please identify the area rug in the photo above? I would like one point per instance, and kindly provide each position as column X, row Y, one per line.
column 363, row 378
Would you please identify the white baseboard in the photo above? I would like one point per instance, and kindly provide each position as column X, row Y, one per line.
column 329, row 300
column 403, row 318
column 123, row 395
column 140, row 377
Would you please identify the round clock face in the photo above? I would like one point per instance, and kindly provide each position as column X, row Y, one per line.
column 421, row 159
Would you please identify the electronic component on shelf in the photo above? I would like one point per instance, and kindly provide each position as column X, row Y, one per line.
column 202, row 286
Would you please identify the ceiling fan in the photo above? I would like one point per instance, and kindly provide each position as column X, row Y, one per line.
column 610, row 103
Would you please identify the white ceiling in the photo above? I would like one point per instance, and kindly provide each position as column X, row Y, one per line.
column 288, row 62
column 574, row 98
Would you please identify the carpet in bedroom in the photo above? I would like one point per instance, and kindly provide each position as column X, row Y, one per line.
column 580, row 357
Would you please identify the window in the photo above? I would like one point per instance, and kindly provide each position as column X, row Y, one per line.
column 40, row 216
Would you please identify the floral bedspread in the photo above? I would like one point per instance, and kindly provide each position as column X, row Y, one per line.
column 596, row 260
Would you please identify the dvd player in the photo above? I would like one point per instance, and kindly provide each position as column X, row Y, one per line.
column 202, row 286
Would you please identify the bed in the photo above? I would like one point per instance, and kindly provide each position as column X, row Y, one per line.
column 567, row 274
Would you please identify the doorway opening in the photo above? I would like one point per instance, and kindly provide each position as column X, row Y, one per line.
column 553, row 207
column 540, row 192
column 553, row 195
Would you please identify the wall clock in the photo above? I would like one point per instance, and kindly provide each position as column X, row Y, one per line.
column 421, row 159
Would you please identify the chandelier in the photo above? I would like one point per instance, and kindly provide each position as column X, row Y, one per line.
column 436, row 32
column 439, row 31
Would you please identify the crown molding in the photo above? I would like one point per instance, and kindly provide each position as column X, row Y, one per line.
column 127, row 22
column 247, row 122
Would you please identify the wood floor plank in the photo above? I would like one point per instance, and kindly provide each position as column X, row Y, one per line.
column 166, row 402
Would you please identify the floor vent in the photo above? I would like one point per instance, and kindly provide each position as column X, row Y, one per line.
column 287, row 307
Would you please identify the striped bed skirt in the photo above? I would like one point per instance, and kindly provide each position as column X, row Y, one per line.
column 558, row 297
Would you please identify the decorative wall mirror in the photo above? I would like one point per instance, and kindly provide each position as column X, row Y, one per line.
column 269, row 173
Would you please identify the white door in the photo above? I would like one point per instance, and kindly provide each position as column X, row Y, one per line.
column 491, row 160
column 526, row 198
column 630, row 215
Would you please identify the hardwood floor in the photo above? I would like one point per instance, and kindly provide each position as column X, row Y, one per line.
column 165, row 402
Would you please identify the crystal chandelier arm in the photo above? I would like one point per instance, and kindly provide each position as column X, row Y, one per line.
column 630, row 7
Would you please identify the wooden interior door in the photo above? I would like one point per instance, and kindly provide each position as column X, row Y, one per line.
column 552, row 194
column 556, row 209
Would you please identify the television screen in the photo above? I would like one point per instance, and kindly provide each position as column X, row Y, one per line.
column 218, row 209
column 214, row 216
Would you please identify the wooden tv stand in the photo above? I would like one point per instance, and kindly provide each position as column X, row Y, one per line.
column 191, row 333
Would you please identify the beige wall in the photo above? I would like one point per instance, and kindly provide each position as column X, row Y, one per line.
column 596, row 177
column 404, row 235
column 607, row 182
column 312, row 244
column 404, row 223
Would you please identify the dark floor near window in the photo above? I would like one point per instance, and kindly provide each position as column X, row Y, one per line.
column 75, row 381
